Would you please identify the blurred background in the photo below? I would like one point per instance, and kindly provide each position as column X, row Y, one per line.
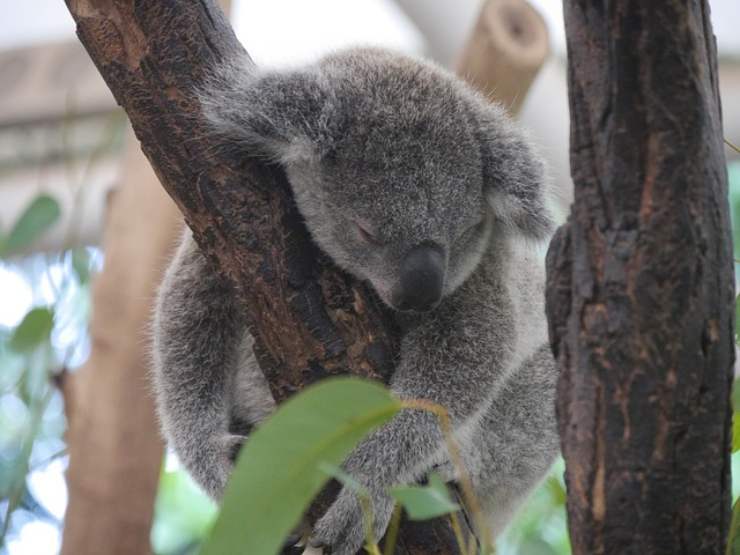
column 79, row 206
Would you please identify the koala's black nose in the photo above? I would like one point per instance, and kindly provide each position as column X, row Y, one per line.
column 422, row 279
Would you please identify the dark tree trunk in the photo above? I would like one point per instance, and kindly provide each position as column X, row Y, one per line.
column 640, row 283
column 309, row 319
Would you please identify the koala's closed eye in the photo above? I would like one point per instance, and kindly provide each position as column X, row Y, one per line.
column 370, row 237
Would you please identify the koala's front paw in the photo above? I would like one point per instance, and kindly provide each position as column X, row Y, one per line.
column 342, row 528
column 211, row 466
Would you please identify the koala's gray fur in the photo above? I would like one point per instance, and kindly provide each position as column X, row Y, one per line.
column 384, row 154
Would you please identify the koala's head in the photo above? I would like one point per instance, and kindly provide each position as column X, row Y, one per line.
column 402, row 174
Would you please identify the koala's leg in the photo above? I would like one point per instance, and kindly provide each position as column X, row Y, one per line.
column 517, row 440
column 198, row 342
column 251, row 398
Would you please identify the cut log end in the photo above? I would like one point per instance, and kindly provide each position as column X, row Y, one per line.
column 507, row 48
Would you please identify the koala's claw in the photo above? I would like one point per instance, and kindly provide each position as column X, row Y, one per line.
column 296, row 541
column 342, row 528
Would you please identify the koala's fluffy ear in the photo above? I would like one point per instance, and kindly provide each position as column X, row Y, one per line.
column 514, row 176
column 281, row 115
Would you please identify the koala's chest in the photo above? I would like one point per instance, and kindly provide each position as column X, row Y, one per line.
column 406, row 322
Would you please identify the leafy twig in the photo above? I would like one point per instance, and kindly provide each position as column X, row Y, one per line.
column 471, row 501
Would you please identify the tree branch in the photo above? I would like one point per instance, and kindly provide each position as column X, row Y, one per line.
column 309, row 319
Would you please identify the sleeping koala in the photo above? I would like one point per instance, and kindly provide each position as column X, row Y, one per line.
column 412, row 181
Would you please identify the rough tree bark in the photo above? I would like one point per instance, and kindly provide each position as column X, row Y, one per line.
column 640, row 283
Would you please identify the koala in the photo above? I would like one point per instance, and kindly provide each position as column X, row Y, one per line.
column 409, row 180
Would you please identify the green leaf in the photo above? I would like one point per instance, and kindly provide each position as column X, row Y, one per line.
column 183, row 513
column 343, row 478
column 278, row 471
column 425, row 502
column 81, row 264
column 735, row 432
column 733, row 539
column 34, row 330
column 556, row 490
column 38, row 217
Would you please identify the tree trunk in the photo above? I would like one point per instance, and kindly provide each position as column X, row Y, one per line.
column 641, row 286
column 114, row 442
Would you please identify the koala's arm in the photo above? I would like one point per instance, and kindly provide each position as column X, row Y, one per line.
column 516, row 441
column 197, row 336
column 447, row 360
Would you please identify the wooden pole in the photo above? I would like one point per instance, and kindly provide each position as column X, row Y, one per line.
column 113, row 438
column 506, row 50
column 640, row 289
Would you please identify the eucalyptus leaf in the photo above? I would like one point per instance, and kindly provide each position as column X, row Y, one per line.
column 556, row 490
column 34, row 330
column 81, row 264
column 425, row 502
column 343, row 478
column 40, row 215
column 279, row 469
column 184, row 514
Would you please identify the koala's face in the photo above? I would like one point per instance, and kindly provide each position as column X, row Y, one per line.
column 398, row 200
column 414, row 236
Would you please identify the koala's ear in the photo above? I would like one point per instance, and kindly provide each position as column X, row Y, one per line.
column 282, row 115
column 514, row 177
